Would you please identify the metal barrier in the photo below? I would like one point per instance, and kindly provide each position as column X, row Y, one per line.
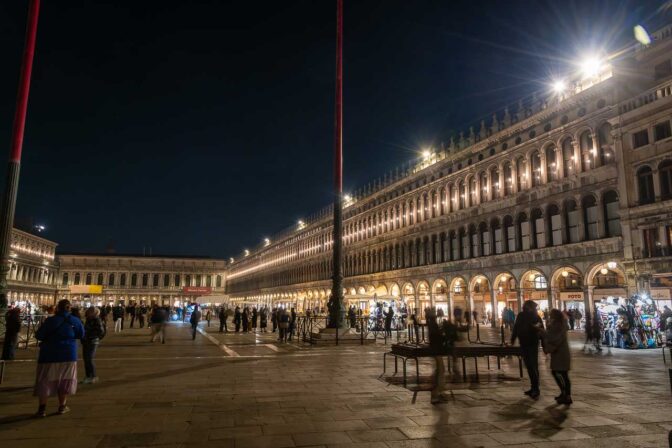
column 367, row 328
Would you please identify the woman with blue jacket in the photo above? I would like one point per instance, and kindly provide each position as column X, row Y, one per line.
column 57, row 362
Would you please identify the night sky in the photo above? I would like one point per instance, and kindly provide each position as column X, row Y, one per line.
column 200, row 127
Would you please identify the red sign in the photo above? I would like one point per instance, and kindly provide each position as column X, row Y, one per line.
column 198, row 290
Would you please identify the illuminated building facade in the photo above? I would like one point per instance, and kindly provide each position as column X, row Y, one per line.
column 563, row 198
column 32, row 269
column 164, row 280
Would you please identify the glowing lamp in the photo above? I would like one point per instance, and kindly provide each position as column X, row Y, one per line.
column 565, row 274
column 611, row 265
column 559, row 86
column 531, row 277
column 604, row 271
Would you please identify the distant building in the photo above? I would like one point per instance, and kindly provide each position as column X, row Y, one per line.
column 32, row 269
column 564, row 198
column 164, row 280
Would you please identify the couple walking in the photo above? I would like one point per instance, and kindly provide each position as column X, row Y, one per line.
column 529, row 330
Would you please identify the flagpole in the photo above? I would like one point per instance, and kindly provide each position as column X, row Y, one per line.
column 336, row 308
column 14, row 166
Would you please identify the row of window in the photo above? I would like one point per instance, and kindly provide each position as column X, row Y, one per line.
column 645, row 182
column 661, row 131
column 144, row 280
column 554, row 226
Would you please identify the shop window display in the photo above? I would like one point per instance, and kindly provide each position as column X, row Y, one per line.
column 632, row 323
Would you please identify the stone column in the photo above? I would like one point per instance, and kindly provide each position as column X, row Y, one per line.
column 493, row 304
column 520, row 299
column 549, row 297
column 588, row 299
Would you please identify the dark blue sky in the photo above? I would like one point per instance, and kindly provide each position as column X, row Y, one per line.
column 200, row 127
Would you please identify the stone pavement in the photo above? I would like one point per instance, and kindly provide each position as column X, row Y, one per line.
column 237, row 390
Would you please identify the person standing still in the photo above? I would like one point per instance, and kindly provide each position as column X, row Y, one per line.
column 527, row 330
column 194, row 319
column 56, row 372
column 118, row 318
column 94, row 331
column 142, row 312
column 208, row 316
column 131, row 313
column 388, row 321
column 237, row 318
column 222, row 320
column 12, row 329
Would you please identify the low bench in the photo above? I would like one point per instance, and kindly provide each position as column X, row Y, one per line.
column 415, row 352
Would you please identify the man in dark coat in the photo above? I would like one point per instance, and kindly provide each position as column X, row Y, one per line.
column 222, row 320
column 527, row 329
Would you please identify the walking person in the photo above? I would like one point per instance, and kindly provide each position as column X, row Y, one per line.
column 208, row 316
column 193, row 320
column 94, row 332
column 436, row 345
column 597, row 330
column 571, row 317
column 12, row 329
column 352, row 317
column 556, row 343
column 588, row 329
column 255, row 316
column 157, row 322
column 118, row 318
column 57, row 362
column 274, row 319
column 222, row 320
column 527, row 330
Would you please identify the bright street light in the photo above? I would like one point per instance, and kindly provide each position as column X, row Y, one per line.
column 426, row 154
column 559, row 86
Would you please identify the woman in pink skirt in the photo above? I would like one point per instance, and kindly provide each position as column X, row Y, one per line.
column 57, row 363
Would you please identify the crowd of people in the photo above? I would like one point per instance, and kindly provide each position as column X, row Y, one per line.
column 255, row 320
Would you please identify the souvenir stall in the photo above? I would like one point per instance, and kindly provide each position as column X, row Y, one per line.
column 631, row 323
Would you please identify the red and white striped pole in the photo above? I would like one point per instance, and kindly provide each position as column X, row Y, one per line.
column 336, row 308
column 14, row 167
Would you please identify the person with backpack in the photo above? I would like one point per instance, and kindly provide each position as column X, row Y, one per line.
column 193, row 320
column 56, row 372
column 94, row 332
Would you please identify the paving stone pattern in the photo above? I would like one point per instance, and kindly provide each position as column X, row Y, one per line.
column 235, row 390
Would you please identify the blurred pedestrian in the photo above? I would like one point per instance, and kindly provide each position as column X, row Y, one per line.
column 194, row 319
column 222, row 319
